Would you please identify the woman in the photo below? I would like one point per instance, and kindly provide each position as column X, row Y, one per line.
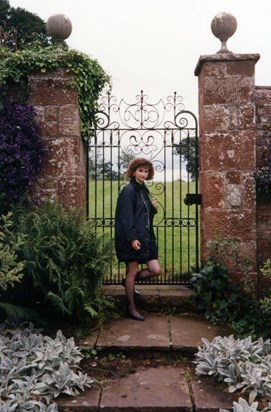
column 134, row 235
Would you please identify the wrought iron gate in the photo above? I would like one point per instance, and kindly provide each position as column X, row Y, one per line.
column 168, row 135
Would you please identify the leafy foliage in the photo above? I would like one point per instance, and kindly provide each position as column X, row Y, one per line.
column 89, row 77
column 11, row 269
column 262, row 175
column 243, row 406
column 20, row 29
column 65, row 261
column 265, row 302
column 36, row 369
column 215, row 294
column 243, row 364
column 21, row 152
column 223, row 301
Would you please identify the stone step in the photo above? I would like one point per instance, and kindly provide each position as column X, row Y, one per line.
column 155, row 298
column 182, row 333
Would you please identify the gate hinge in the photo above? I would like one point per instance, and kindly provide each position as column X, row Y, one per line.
column 192, row 199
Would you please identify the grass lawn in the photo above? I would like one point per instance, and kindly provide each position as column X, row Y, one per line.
column 175, row 225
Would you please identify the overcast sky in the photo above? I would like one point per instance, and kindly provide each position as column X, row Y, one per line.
column 155, row 45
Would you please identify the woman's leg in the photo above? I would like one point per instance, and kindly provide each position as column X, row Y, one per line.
column 132, row 270
column 153, row 269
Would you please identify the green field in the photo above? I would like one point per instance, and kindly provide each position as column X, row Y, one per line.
column 174, row 223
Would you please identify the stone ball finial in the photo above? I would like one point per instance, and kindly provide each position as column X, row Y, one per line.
column 59, row 27
column 223, row 27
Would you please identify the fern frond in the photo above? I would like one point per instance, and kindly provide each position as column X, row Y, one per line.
column 18, row 313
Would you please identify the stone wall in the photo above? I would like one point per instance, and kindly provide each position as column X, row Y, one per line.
column 64, row 174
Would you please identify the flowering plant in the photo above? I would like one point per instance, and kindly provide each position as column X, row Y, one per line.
column 262, row 177
column 21, row 151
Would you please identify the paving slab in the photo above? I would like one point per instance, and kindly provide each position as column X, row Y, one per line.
column 89, row 341
column 151, row 334
column 88, row 401
column 158, row 332
column 161, row 389
column 210, row 398
column 187, row 332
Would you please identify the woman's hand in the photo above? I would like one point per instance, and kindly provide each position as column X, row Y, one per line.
column 136, row 244
column 154, row 202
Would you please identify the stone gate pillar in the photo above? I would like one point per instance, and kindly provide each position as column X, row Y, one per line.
column 63, row 177
column 228, row 151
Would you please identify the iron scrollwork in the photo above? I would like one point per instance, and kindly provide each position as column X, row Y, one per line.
column 140, row 115
column 164, row 132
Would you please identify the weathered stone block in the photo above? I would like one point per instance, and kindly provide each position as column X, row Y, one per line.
column 51, row 89
column 69, row 120
column 227, row 90
column 226, row 151
column 230, row 224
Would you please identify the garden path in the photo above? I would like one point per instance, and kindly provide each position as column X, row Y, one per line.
column 158, row 386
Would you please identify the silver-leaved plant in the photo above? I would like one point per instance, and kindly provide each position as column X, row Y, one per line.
column 36, row 369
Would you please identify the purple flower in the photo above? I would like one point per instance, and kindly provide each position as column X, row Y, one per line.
column 21, row 150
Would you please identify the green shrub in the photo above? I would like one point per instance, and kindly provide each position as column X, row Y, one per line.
column 11, row 269
column 265, row 302
column 65, row 261
column 223, row 301
column 215, row 294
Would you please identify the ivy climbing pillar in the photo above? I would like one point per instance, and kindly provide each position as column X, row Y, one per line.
column 228, row 155
column 64, row 174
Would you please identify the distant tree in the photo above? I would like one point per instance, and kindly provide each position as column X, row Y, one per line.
column 4, row 7
column 100, row 169
column 20, row 29
column 125, row 159
column 188, row 151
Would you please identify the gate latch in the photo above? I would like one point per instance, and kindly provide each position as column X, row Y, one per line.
column 192, row 199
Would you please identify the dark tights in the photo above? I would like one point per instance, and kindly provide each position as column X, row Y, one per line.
column 133, row 273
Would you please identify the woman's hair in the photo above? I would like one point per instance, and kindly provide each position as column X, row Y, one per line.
column 138, row 162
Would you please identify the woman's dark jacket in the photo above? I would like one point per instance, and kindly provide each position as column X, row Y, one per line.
column 134, row 220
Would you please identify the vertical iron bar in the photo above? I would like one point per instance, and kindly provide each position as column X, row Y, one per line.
column 87, row 177
column 188, row 226
column 165, row 208
column 111, row 196
column 95, row 182
column 180, row 208
column 172, row 206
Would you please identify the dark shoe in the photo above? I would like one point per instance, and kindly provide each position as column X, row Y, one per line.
column 136, row 317
column 136, row 292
